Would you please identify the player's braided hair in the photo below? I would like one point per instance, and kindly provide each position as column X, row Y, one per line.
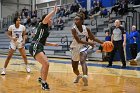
column 81, row 16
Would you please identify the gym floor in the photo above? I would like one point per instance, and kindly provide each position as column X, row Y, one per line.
column 60, row 77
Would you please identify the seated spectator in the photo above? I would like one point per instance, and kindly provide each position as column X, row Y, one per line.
column 95, row 15
column 28, row 22
column 104, row 12
column 34, row 14
column 91, row 12
column 115, row 8
column 72, row 8
column 34, row 21
column 97, row 7
column 60, row 24
column 123, row 8
column 106, row 55
column 67, row 12
column 58, row 13
column 62, row 11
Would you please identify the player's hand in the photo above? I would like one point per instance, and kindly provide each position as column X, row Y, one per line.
column 55, row 8
column 92, row 44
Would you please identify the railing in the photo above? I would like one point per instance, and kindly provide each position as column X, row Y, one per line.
column 64, row 39
column 109, row 14
column 95, row 22
column 5, row 22
column 129, row 23
column 136, row 19
column 123, row 23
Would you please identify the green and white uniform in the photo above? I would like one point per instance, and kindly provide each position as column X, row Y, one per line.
column 39, row 40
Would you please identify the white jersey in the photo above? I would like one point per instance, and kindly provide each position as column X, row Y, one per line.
column 82, row 35
column 76, row 47
column 17, row 32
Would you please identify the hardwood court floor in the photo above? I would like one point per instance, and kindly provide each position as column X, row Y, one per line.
column 60, row 78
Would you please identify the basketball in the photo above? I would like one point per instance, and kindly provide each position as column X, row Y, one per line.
column 107, row 46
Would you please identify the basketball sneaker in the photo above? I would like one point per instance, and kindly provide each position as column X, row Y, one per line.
column 45, row 86
column 39, row 80
column 28, row 69
column 133, row 62
column 76, row 80
column 85, row 80
column 3, row 71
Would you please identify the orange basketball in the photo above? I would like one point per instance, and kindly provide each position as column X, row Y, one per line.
column 107, row 46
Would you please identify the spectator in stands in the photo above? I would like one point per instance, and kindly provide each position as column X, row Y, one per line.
column 34, row 14
column 24, row 9
column 72, row 8
column 76, row 8
column 34, row 21
column 107, row 38
column 94, row 3
column 80, row 35
column 115, row 8
column 62, row 11
column 60, row 24
column 28, row 23
column 67, row 12
column 17, row 13
column 106, row 56
column 91, row 12
column 97, row 7
column 37, row 47
column 123, row 8
column 119, row 42
column 104, row 12
column 26, row 12
column 58, row 13
column 24, row 20
column 17, row 35
column 133, row 37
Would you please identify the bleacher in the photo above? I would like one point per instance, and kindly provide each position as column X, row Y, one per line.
column 64, row 37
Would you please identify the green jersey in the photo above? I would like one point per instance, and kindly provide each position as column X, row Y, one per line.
column 41, row 34
column 39, row 40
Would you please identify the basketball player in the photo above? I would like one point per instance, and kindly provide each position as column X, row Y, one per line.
column 17, row 35
column 79, row 46
column 37, row 47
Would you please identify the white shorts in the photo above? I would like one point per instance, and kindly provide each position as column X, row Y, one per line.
column 15, row 45
column 75, row 53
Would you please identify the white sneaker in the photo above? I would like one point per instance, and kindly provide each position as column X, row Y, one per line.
column 3, row 71
column 28, row 69
column 85, row 80
column 76, row 80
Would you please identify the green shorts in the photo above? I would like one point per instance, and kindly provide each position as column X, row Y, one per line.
column 36, row 48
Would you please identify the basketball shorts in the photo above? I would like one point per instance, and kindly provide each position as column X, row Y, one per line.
column 36, row 48
column 75, row 53
column 15, row 45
